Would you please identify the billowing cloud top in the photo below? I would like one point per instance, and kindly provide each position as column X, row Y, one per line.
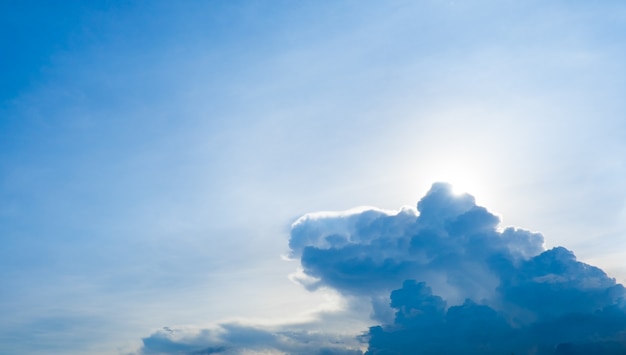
column 449, row 242
column 442, row 279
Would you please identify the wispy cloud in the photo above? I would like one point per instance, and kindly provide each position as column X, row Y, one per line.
column 242, row 339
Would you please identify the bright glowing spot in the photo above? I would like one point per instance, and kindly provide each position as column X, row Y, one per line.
column 463, row 179
column 465, row 174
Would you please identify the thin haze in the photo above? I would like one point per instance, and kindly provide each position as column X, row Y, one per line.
column 154, row 154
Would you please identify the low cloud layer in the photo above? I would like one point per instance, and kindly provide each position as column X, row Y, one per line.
column 441, row 279
column 238, row 339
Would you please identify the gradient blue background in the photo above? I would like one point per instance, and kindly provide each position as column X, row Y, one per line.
column 154, row 153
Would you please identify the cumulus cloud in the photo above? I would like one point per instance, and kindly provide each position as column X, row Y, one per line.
column 448, row 241
column 461, row 285
column 442, row 278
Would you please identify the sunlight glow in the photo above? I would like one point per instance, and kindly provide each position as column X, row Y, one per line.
column 464, row 174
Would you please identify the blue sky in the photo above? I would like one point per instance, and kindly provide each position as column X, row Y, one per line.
column 153, row 155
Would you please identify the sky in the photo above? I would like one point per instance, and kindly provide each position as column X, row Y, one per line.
column 189, row 177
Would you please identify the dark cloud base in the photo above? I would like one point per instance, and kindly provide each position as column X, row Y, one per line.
column 456, row 284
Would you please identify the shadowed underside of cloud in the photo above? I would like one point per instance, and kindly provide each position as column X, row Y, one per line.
column 423, row 325
column 442, row 279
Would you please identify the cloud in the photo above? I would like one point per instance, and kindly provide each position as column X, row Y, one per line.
column 423, row 324
column 239, row 339
column 448, row 241
column 442, row 278
column 458, row 284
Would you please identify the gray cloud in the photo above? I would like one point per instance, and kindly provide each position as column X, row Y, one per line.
column 458, row 284
column 448, row 242
column 234, row 339
column 441, row 279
